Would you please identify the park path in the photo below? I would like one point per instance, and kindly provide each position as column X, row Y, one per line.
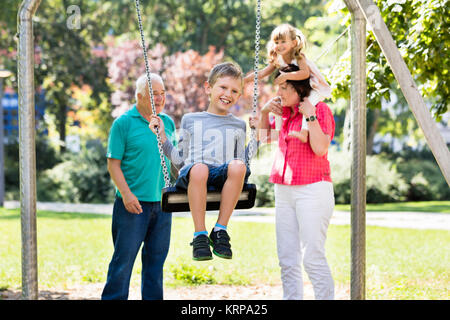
column 414, row 220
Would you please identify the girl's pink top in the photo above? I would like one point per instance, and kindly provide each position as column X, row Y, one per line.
column 295, row 162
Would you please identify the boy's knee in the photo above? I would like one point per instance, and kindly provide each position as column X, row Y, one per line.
column 237, row 167
column 199, row 171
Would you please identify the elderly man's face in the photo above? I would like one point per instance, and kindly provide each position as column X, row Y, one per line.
column 159, row 97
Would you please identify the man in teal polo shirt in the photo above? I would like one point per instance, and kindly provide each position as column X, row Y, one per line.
column 135, row 167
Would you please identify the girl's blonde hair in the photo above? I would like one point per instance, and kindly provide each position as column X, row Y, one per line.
column 283, row 32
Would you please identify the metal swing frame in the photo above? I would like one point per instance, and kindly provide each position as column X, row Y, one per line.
column 363, row 11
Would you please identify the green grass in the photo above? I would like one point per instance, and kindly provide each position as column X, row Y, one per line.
column 421, row 206
column 76, row 248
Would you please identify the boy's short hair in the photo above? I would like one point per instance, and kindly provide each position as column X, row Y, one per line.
column 225, row 69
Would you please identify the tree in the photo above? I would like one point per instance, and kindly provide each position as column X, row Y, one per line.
column 65, row 36
column 420, row 29
column 66, row 59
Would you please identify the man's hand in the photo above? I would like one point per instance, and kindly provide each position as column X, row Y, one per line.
column 156, row 122
column 131, row 203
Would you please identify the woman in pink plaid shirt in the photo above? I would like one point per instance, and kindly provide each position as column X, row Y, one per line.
column 304, row 197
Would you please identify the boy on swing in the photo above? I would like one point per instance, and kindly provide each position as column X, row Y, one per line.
column 211, row 154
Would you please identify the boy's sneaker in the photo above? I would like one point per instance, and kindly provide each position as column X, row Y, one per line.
column 220, row 241
column 200, row 250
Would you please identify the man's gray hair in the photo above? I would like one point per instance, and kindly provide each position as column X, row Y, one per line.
column 141, row 83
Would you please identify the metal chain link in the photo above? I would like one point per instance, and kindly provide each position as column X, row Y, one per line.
column 147, row 71
column 255, row 85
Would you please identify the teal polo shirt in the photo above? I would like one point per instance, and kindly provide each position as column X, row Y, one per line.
column 131, row 141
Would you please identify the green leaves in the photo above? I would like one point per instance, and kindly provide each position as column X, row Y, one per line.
column 420, row 29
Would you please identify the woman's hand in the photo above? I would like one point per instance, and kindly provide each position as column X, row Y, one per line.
column 274, row 106
column 306, row 108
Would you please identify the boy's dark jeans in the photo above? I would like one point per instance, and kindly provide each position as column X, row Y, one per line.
column 151, row 227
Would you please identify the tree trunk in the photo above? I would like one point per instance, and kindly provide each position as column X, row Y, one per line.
column 61, row 123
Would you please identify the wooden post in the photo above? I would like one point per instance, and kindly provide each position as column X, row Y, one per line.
column 358, row 147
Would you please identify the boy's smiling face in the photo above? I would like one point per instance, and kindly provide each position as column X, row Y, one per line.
column 223, row 94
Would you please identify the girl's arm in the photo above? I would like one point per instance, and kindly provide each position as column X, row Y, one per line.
column 301, row 74
column 261, row 74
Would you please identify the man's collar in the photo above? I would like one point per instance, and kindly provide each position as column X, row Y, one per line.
column 134, row 112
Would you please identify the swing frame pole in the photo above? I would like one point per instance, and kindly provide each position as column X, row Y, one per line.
column 27, row 148
column 358, row 150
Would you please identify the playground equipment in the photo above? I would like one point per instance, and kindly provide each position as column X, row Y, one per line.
column 362, row 11
column 174, row 199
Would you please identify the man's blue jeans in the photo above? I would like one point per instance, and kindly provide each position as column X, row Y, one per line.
column 152, row 227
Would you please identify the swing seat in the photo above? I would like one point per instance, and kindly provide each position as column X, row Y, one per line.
column 176, row 200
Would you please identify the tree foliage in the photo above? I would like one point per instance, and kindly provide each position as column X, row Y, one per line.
column 420, row 29
column 184, row 75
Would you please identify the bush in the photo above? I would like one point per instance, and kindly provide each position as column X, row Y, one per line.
column 265, row 195
column 383, row 182
column 261, row 167
column 46, row 158
column 424, row 178
column 80, row 178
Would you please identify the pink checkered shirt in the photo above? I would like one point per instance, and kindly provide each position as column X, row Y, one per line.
column 295, row 162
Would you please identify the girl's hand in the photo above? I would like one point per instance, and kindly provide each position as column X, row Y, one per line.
column 281, row 78
column 274, row 106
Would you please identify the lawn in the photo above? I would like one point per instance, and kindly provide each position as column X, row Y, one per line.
column 76, row 248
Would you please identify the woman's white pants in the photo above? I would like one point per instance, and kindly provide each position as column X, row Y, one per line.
column 303, row 214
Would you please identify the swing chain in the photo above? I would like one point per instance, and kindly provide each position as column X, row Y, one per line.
column 147, row 71
column 255, row 85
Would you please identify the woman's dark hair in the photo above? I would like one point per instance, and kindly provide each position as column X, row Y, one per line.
column 302, row 87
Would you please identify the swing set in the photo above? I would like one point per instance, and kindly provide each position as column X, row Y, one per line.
column 174, row 199
column 362, row 12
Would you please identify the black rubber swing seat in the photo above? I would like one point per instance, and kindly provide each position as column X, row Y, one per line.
column 175, row 199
